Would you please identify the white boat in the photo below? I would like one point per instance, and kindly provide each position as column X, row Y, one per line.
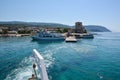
column 71, row 39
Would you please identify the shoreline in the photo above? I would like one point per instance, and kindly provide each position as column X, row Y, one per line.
column 14, row 35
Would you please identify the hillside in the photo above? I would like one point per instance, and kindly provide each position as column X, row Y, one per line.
column 96, row 28
column 91, row 28
column 33, row 24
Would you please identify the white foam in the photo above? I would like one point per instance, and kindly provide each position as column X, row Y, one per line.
column 22, row 73
column 49, row 52
column 100, row 76
column 25, row 72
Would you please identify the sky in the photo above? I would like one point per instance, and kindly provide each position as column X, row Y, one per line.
column 89, row 12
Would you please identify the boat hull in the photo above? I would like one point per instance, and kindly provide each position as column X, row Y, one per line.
column 48, row 39
column 90, row 36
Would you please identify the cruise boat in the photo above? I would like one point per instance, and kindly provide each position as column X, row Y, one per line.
column 48, row 36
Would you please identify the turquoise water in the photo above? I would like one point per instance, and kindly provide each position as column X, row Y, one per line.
column 88, row 59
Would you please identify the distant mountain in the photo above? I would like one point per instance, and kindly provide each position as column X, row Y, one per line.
column 96, row 28
column 35, row 24
column 91, row 28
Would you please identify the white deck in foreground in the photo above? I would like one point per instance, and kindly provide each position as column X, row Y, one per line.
column 41, row 65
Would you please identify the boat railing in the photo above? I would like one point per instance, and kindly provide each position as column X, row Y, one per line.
column 41, row 65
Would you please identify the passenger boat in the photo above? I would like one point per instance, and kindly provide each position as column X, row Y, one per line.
column 88, row 36
column 48, row 36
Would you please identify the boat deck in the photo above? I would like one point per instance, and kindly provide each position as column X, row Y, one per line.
column 71, row 39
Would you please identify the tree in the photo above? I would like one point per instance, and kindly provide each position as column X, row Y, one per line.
column 24, row 32
column 59, row 30
column 65, row 30
column 5, row 31
column 84, row 31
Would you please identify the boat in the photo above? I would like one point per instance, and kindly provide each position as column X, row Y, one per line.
column 88, row 36
column 71, row 39
column 48, row 36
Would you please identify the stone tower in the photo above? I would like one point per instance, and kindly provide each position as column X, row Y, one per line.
column 79, row 27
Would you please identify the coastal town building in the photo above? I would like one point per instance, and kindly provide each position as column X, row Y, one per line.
column 12, row 32
column 0, row 30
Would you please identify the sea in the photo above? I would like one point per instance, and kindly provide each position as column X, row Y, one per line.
column 87, row 59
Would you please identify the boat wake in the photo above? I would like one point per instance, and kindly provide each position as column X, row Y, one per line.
column 23, row 72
